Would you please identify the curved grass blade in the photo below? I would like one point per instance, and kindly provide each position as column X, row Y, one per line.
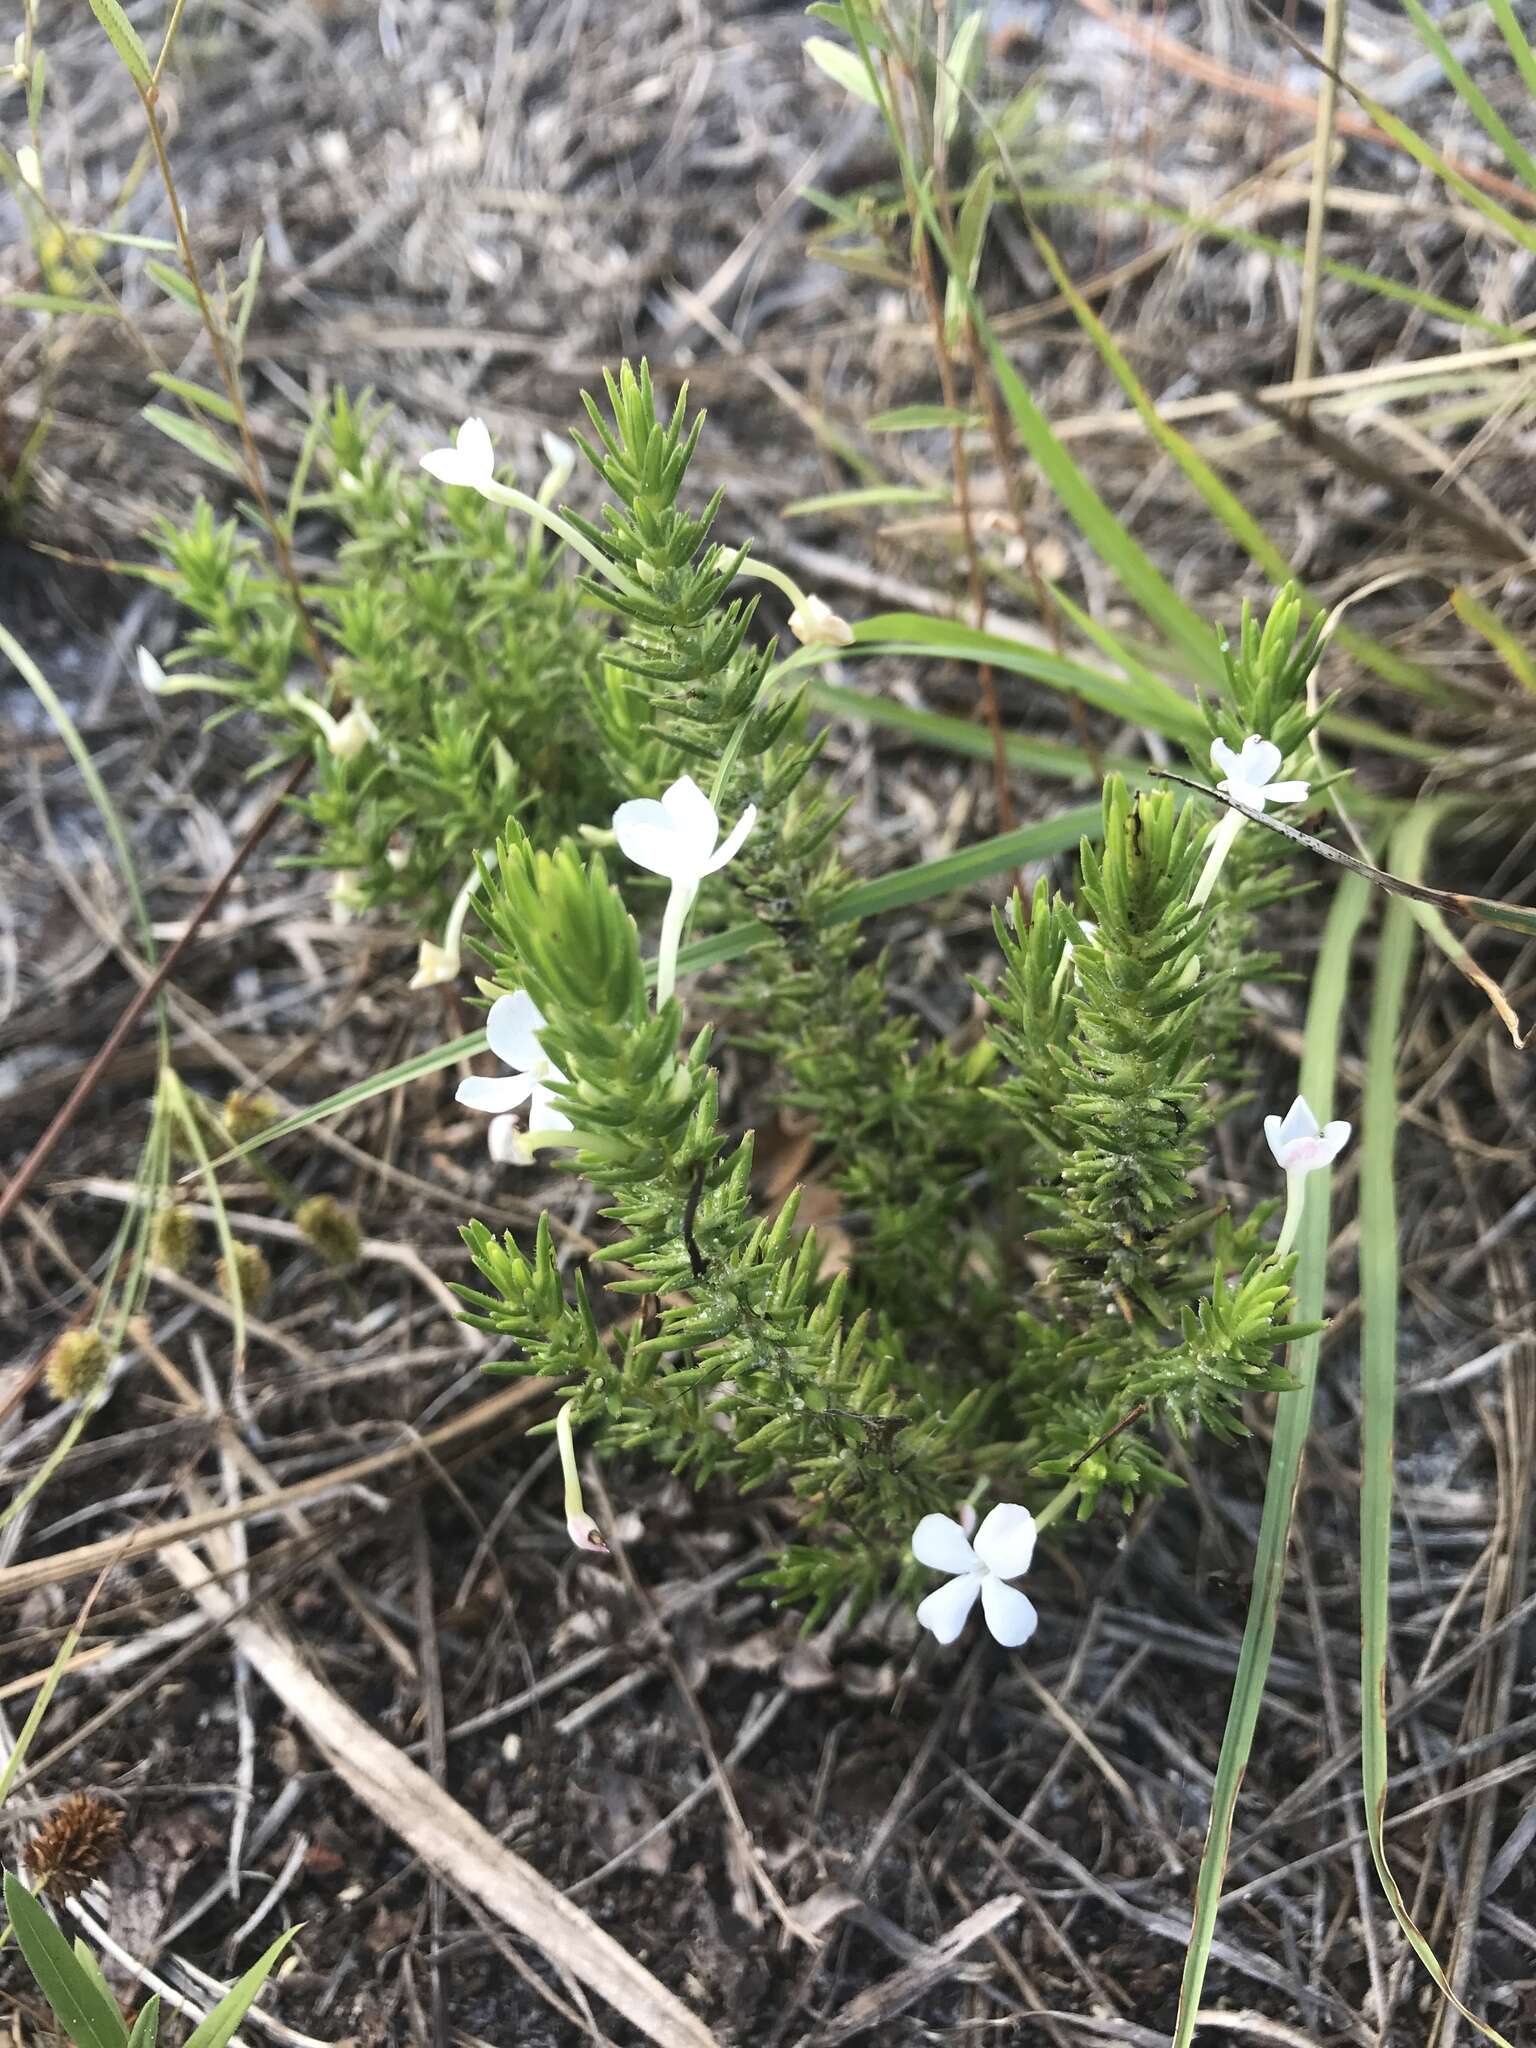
column 1476, row 102
column 1378, row 1367
column 1293, row 1416
column 218, row 2029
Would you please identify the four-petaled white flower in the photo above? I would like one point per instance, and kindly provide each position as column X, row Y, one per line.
column 471, row 461
column 677, row 838
column 1004, row 1546
column 1248, row 776
column 815, row 624
column 1297, row 1142
column 512, row 1032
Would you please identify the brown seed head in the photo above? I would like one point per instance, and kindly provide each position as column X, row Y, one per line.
column 76, row 1365
column 79, row 1838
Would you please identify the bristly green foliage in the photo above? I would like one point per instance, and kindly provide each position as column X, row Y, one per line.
column 1037, row 1284
column 466, row 643
column 1268, row 680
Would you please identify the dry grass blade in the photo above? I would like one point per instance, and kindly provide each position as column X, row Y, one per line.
column 883, row 2001
column 447, row 1838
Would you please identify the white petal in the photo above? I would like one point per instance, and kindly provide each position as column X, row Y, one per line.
column 694, row 819
column 946, row 1608
column 542, row 1113
column 1224, row 758
column 1009, row 1614
column 648, row 836
column 1299, row 1121
column 494, row 1093
column 942, row 1544
column 151, row 674
column 1259, row 761
column 1277, row 1144
column 435, row 965
column 506, row 1143
column 734, row 842
column 473, row 445
column 444, row 464
column 1288, row 792
column 512, row 1032
column 1336, row 1136
column 1005, row 1542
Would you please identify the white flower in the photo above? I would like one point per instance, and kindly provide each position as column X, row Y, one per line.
column 471, row 461
column 435, row 965
column 1248, row 777
column 676, row 838
column 344, row 896
column 815, row 624
column 512, row 1031
column 1298, row 1144
column 1004, row 1546
column 352, row 733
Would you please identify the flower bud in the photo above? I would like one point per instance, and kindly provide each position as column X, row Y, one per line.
column 815, row 624
column 253, row 1273
column 330, row 1228
column 77, row 1365
column 585, row 1533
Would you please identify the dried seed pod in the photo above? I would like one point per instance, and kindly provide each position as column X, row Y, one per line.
column 77, row 1365
column 77, row 1840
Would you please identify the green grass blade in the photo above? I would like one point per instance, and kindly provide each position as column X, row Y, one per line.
column 1293, row 1415
column 218, row 2029
column 146, row 2028
column 1268, row 245
column 1426, row 155
column 1378, row 1367
column 1471, row 96
column 1219, row 499
column 1145, row 700
column 34, row 1720
column 1519, row 47
column 964, row 736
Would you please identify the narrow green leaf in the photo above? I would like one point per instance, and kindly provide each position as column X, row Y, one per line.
column 970, row 238
column 36, row 88
column 1510, row 649
column 1161, row 708
column 869, row 495
column 1380, row 1117
column 1514, row 36
column 197, row 439
column 146, row 2028
column 57, row 302
column 125, row 40
column 218, row 2029
column 904, row 419
column 964, row 736
column 39, row 1708
column 1293, row 1417
column 175, row 284
column 842, row 67
column 89, row 2020
column 1472, row 97
column 955, row 74
column 196, row 394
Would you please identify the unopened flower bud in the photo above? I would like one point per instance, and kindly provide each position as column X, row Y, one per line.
column 815, row 624
column 585, row 1533
column 331, row 1228
column 77, row 1365
column 252, row 1272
